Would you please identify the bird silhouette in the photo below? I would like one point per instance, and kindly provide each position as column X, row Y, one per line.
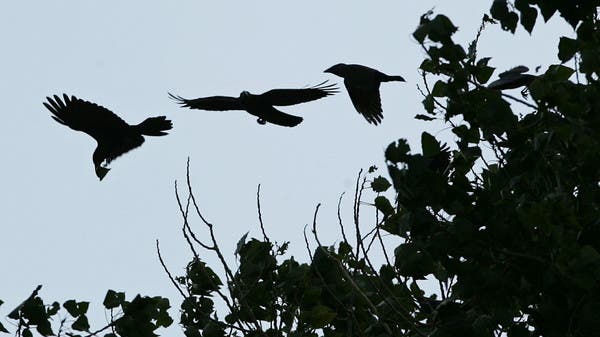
column 113, row 135
column 512, row 79
column 363, row 84
column 262, row 106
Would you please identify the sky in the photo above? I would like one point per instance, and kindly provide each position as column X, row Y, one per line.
column 79, row 237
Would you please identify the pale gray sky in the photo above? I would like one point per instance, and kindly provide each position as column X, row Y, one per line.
column 62, row 228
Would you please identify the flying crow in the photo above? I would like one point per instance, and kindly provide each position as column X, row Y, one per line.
column 362, row 84
column 512, row 79
column 261, row 105
column 113, row 135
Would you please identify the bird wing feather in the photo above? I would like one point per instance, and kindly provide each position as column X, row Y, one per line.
column 513, row 71
column 84, row 116
column 212, row 103
column 283, row 97
column 367, row 101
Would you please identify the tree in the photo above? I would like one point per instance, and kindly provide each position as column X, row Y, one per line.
column 506, row 220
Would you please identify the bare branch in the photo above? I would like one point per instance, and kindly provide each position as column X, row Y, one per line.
column 314, row 226
column 356, row 213
column 260, row 220
column 162, row 262
column 339, row 215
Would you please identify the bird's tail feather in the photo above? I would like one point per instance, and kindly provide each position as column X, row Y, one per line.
column 155, row 126
column 394, row 78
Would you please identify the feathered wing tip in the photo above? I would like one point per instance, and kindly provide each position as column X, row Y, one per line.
column 514, row 71
column 57, row 107
column 396, row 78
column 155, row 126
column 327, row 88
column 179, row 100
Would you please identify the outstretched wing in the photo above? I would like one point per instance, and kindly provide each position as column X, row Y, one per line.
column 80, row 115
column 512, row 79
column 283, row 97
column 366, row 101
column 514, row 71
column 213, row 103
column 275, row 116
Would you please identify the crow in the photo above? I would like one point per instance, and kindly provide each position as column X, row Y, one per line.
column 362, row 84
column 113, row 135
column 512, row 79
column 261, row 105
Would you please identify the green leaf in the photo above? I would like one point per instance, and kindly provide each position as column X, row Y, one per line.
column 321, row 315
column 559, row 72
column 500, row 12
column 44, row 328
column 411, row 260
column 528, row 14
column 429, row 104
column 441, row 28
column 81, row 324
column 440, row 89
column 27, row 333
column 380, row 184
column 566, row 49
column 424, row 117
column 518, row 330
column 113, row 299
column 429, row 144
column 384, row 205
column 52, row 310
column 241, row 243
column 482, row 71
column 344, row 248
column 71, row 307
column 397, row 151
column 466, row 134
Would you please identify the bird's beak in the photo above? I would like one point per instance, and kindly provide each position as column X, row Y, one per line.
column 328, row 70
column 101, row 172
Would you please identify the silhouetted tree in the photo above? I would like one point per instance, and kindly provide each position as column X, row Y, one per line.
column 504, row 220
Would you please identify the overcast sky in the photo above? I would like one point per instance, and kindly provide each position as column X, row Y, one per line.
column 79, row 237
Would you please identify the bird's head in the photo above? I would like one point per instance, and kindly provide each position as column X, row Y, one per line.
column 244, row 94
column 101, row 171
column 338, row 69
column 98, row 159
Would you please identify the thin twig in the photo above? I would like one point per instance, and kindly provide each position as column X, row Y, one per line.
column 260, row 220
column 339, row 215
column 383, row 249
column 184, row 215
column 307, row 244
column 162, row 262
column 520, row 101
column 217, row 250
column 314, row 226
column 356, row 214
column 95, row 333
